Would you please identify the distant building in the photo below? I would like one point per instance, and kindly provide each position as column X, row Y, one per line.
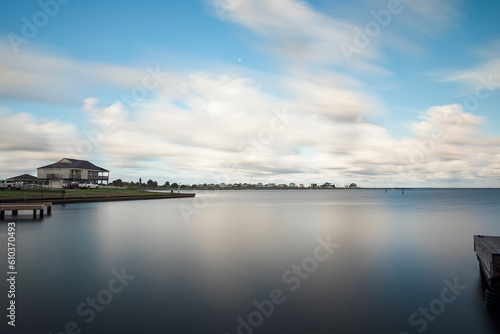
column 25, row 178
column 292, row 185
column 72, row 170
column 314, row 185
column 301, row 185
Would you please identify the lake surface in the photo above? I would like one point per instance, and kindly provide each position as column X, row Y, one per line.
column 322, row 261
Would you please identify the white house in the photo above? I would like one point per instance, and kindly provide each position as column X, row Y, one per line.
column 72, row 170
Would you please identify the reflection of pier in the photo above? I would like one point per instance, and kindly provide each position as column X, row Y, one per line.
column 16, row 207
column 487, row 249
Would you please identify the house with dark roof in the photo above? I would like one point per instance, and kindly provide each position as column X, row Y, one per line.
column 25, row 178
column 72, row 170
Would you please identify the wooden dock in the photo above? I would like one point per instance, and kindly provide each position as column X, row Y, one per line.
column 487, row 249
column 16, row 207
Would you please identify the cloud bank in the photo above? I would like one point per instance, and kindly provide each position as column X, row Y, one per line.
column 197, row 126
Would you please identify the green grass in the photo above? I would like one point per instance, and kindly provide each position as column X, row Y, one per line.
column 58, row 193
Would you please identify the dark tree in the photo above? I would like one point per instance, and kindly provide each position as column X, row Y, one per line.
column 117, row 183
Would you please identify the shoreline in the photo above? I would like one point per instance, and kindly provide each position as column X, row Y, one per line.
column 90, row 199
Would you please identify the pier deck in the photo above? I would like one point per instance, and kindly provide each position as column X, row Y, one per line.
column 487, row 249
column 16, row 207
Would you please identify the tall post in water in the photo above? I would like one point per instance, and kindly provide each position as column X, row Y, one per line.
column 402, row 191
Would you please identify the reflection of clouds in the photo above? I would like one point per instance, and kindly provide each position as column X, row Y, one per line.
column 227, row 244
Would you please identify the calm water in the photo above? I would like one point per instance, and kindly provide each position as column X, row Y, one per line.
column 391, row 256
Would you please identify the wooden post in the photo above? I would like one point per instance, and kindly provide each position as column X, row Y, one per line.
column 41, row 213
column 403, row 191
column 2, row 214
column 14, row 212
column 34, row 214
column 386, row 190
column 49, row 210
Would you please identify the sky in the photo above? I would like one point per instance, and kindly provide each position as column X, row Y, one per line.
column 377, row 92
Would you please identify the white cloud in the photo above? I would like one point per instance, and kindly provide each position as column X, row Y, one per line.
column 431, row 17
column 196, row 124
column 26, row 142
column 295, row 31
column 481, row 80
column 44, row 76
column 300, row 34
column 221, row 116
column 446, row 145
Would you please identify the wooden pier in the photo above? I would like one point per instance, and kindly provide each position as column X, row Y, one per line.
column 487, row 249
column 16, row 207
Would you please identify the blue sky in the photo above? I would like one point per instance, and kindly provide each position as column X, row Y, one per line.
column 416, row 104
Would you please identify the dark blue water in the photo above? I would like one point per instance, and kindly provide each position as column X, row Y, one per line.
column 257, row 262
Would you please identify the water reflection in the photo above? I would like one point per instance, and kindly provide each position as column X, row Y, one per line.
column 396, row 253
